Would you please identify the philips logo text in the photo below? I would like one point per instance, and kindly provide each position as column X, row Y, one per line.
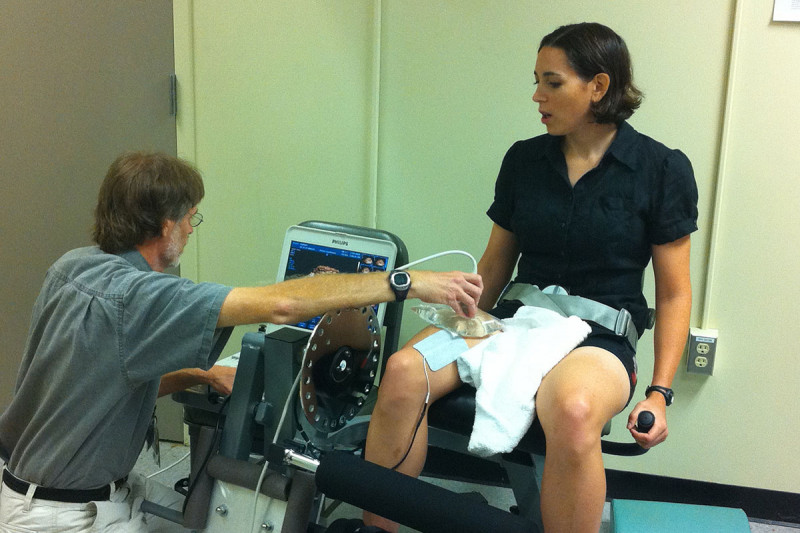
column 337, row 241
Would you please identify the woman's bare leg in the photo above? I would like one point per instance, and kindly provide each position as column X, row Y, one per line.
column 574, row 402
column 401, row 397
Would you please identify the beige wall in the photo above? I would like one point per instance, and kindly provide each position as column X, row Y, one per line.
column 275, row 109
column 752, row 400
column 400, row 112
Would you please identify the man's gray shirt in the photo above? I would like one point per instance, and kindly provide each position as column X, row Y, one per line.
column 104, row 329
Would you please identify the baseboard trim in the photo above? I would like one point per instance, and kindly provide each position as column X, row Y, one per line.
column 757, row 503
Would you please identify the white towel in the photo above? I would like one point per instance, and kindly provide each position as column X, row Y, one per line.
column 507, row 369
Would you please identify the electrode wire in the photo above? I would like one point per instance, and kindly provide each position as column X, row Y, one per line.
column 421, row 416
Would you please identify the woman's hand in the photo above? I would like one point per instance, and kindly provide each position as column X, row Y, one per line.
column 658, row 433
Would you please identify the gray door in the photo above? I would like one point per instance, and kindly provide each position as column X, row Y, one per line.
column 80, row 82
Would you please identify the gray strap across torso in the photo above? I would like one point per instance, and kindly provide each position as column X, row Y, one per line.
column 558, row 300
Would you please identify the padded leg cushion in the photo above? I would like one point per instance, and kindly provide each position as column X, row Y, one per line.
column 632, row 516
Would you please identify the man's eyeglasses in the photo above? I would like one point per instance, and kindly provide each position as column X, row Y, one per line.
column 195, row 220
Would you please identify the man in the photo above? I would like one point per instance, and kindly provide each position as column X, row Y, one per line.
column 109, row 324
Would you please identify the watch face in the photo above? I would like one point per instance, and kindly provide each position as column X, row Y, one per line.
column 401, row 279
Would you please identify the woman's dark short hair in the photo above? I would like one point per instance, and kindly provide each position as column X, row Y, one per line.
column 592, row 48
column 140, row 192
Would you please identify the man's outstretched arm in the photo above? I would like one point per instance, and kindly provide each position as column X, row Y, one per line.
column 303, row 298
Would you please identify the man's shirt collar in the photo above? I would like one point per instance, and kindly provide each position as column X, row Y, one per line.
column 136, row 259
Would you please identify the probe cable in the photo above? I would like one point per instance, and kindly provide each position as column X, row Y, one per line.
column 440, row 254
column 263, row 475
column 169, row 467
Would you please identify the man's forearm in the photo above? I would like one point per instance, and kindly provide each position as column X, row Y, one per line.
column 180, row 380
column 299, row 299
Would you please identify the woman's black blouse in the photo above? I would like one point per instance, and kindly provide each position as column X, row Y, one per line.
column 594, row 239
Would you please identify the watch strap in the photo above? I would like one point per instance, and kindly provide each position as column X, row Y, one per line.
column 664, row 391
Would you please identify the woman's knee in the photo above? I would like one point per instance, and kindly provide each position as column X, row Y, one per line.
column 403, row 378
column 572, row 424
column 579, row 396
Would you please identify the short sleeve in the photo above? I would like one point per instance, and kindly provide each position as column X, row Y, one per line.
column 502, row 208
column 674, row 209
column 169, row 323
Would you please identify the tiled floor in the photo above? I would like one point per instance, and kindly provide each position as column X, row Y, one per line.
column 499, row 497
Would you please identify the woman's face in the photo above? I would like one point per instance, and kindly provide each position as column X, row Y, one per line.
column 564, row 98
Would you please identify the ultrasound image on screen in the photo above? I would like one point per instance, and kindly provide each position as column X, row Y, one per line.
column 313, row 260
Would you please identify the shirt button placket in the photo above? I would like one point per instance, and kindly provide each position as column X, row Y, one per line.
column 565, row 227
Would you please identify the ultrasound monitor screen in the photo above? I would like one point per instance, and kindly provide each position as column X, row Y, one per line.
column 313, row 259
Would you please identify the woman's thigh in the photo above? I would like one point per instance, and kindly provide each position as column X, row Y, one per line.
column 588, row 387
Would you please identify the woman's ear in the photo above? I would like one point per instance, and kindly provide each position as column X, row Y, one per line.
column 600, row 84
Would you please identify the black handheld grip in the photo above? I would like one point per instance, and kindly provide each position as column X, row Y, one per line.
column 645, row 421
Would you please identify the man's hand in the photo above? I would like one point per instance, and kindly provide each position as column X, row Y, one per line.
column 460, row 290
column 220, row 378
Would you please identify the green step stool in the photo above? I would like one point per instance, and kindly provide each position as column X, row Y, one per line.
column 634, row 516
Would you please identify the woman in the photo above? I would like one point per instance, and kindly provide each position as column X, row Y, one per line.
column 585, row 207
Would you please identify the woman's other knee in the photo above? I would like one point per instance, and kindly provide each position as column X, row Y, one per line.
column 576, row 401
column 571, row 424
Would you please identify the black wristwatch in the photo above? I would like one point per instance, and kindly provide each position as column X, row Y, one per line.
column 668, row 394
column 400, row 282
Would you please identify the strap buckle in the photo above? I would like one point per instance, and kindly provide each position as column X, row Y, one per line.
column 625, row 327
column 624, row 319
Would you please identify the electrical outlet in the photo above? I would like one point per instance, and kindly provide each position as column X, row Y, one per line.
column 702, row 350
